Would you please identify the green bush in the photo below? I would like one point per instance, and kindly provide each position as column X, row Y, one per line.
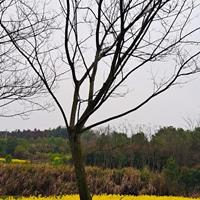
column 8, row 158
column 145, row 175
column 59, row 159
column 171, row 174
column 190, row 180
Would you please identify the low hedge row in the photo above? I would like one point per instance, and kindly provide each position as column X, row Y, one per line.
column 41, row 179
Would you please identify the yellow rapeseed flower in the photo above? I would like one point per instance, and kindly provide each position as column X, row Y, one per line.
column 103, row 197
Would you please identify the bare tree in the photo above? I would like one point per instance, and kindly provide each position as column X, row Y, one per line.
column 18, row 85
column 106, row 43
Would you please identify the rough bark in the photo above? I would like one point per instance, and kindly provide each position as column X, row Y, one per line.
column 75, row 144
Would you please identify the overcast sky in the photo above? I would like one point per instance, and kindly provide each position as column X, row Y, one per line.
column 169, row 109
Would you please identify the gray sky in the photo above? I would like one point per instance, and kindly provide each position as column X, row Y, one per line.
column 168, row 109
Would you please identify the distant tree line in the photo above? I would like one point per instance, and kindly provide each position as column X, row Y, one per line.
column 116, row 150
column 36, row 145
column 108, row 150
column 36, row 133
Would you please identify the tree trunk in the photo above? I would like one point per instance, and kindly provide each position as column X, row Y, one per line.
column 79, row 167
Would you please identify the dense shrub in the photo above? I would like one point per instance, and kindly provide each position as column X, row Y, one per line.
column 171, row 175
column 29, row 179
column 190, row 181
column 8, row 158
column 35, row 180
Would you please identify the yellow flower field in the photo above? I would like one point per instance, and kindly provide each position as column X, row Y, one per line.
column 105, row 197
column 15, row 161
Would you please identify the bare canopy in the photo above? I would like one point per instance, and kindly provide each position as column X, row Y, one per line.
column 121, row 38
column 19, row 87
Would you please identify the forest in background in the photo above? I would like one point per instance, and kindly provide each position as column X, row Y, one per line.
column 108, row 150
